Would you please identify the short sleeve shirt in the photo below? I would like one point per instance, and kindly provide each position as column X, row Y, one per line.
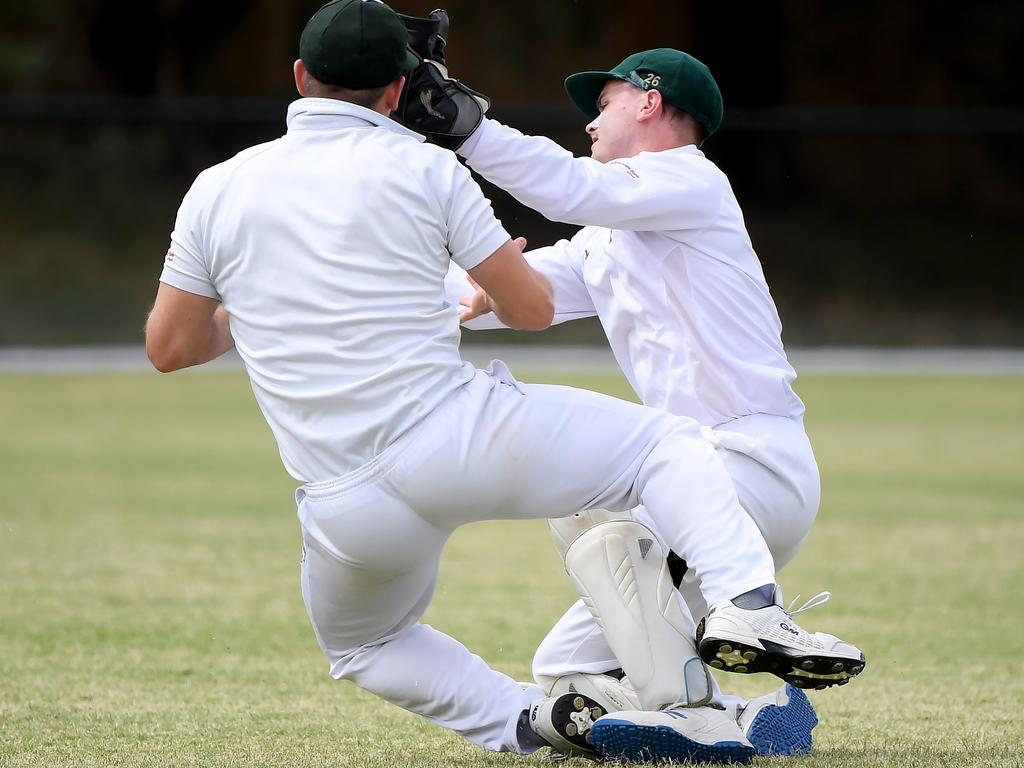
column 329, row 248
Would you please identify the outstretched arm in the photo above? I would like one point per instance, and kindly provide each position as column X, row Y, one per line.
column 561, row 264
column 630, row 194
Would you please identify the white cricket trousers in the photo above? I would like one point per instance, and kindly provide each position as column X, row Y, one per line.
column 773, row 470
column 498, row 449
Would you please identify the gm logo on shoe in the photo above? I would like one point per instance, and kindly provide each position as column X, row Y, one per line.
column 788, row 628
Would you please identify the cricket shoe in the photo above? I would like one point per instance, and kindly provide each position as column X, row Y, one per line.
column 767, row 639
column 779, row 723
column 686, row 735
column 564, row 723
column 611, row 693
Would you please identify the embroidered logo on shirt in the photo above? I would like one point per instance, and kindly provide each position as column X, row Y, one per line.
column 629, row 170
column 169, row 257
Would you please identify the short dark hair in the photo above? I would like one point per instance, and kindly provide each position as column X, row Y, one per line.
column 675, row 113
column 366, row 97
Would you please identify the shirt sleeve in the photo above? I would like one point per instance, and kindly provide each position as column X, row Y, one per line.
column 631, row 194
column 185, row 264
column 561, row 264
column 473, row 231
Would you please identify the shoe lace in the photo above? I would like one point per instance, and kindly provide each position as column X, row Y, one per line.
column 819, row 599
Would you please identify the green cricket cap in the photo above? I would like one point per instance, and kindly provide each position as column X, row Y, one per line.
column 683, row 82
column 356, row 44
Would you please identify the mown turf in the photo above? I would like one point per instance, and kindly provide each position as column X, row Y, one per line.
column 150, row 613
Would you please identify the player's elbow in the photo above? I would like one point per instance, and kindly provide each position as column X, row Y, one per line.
column 542, row 316
column 162, row 351
column 163, row 359
column 539, row 311
column 534, row 317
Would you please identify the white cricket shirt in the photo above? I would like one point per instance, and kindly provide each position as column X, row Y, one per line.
column 663, row 260
column 328, row 248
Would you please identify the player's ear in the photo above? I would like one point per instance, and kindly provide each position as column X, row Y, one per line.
column 300, row 72
column 393, row 94
column 652, row 105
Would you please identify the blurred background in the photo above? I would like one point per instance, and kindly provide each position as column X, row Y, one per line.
column 877, row 148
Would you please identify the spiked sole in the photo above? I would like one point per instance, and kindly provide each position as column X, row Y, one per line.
column 785, row 730
column 573, row 716
column 623, row 740
column 809, row 671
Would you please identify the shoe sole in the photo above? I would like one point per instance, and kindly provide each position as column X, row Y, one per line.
column 786, row 730
column 623, row 740
column 802, row 671
column 573, row 716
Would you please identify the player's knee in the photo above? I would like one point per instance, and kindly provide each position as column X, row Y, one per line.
column 565, row 530
column 548, row 664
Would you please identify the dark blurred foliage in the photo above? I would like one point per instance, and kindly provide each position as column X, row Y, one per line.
column 877, row 148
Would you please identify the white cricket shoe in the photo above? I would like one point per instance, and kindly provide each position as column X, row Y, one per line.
column 684, row 735
column 611, row 693
column 564, row 723
column 779, row 723
column 768, row 640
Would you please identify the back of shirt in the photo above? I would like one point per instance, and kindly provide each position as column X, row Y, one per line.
column 329, row 248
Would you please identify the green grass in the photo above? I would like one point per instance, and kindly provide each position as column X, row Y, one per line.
column 150, row 612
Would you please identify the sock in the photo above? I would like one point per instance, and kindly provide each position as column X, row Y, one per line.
column 526, row 736
column 761, row 597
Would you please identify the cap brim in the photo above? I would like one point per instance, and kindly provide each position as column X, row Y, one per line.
column 584, row 88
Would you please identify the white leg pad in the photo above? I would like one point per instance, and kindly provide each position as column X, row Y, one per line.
column 565, row 530
column 620, row 571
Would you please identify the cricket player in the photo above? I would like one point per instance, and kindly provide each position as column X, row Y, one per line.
column 321, row 258
column 665, row 262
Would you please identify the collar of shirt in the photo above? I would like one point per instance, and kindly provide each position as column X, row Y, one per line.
column 689, row 149
column 330, row 114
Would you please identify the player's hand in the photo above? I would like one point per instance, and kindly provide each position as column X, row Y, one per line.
column 428, row 35
column 480, row 303
column 446, row 111
column 474, row 306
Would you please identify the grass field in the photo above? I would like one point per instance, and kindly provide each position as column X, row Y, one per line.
column 150, row 611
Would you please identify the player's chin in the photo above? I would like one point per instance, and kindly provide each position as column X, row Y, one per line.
column 597, row 154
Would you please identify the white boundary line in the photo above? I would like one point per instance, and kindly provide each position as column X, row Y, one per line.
column 561, row 359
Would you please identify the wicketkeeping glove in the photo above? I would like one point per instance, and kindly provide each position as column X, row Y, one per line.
column 428, row 36
column 444, row 110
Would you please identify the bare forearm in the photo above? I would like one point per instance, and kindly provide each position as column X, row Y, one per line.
column 535, row 316
column 220, row 336
column 172, row 346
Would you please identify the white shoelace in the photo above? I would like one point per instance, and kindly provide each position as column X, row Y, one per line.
column 819, row 599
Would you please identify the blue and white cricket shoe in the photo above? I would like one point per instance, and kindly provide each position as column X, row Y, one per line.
column 779, row 723
column 686, row 735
